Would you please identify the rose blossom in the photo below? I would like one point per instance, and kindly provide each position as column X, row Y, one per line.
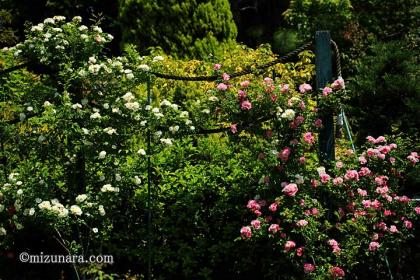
column 305, row 88
column 308, row 267
column 309, row 138
column 338, row 84
column 352, row 175
column 413, row 157
column 417, row 210
column 274, row 228
column 273, row 207
column 302, row 160
column 245, row 83
column 299, row 251
column 326, row 91
column 217, row 66
column 246, row 232
column 324, row 178
column 338, row 181
column 256, row 224
column 253, row 205
column 408, row 224
column 222, row 87
column 284, row 154
column 290, row 189
column 289, row 245
column 318, row 123
column 225, row 77
column 246, row 105
column 301, row 223
column 337, row 272
column 373, row 246
column 284, row 88
column 233, row 128
column 393, row 229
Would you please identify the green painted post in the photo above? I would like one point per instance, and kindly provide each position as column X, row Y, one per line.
column 323, row 62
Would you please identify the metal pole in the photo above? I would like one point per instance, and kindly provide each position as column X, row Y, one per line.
column 323, row 62
column 149, row 193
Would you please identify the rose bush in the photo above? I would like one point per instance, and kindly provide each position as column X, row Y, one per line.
column 75, row 141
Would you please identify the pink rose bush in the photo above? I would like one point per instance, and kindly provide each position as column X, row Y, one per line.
column 314, row 214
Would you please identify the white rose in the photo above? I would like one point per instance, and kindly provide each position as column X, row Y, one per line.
column 75, row 210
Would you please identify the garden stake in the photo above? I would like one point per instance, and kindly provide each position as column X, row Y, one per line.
column 149, row 184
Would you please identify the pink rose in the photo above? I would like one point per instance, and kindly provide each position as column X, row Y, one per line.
column 362, row 160
column 417, row 210
column 274, row 228
column 380, row 139
column 364, row 171
column 225, row 77
column 362, row 192
column 373, row 246
column 326, row 91
column 387, row 212
column 256, row 224
column 289, row 245
column 284, row 88
column 338, row 84
column 268, row 81
column 299, row 251
column 413, row 157
column 284, row 154
column 393, row 229
column 301, row 223
column 318, row 123
column 376, row 204
column 366, row 203
column 337, row 272
column 290, row 190
column 339, row 164
column 303, row 88
column 314, row 211
column 324, row 178
column 332, row 242
column 308, row 267
column 338, row 181
column 217, row 66
column 302, row 160
column 245, row 84
column 246, row 232
column 233, row 128
column 222, row 87
column 352, row 175
column 309, row 138
column 246, row 105
column 241, row 95
column 408, row 224
column 273, row 207
column 299, row 120
column 382, row 226
column 253, row 205
column 382, row 190
column 257, row 213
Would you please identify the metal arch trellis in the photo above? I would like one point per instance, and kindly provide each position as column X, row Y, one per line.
column 248, row 70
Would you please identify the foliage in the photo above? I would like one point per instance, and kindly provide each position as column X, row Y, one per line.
column 385, row 90
column 76, row 147
column 195, row 29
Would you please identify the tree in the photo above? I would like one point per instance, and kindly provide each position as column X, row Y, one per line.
column 193, row 28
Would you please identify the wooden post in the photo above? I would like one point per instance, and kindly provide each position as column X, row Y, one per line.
column 323, row 62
